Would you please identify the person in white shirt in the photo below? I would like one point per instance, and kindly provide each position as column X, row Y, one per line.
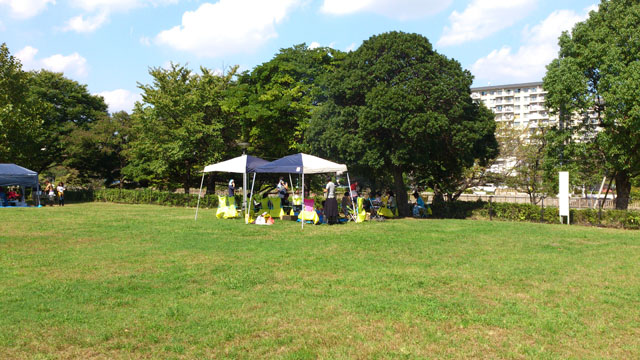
column 60, row 189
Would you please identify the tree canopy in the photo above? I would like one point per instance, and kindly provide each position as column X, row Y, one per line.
column 396, row 106
column 597, row 76
column 276, row 99
column 179, row 125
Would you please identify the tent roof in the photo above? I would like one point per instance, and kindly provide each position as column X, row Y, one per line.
column 301, row 163
column 12, row 174
column 240, row 164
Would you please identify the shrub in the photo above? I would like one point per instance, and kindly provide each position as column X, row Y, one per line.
column 527, row 212
column 145, row 196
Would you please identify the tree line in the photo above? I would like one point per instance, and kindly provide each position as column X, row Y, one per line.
column 396, row 111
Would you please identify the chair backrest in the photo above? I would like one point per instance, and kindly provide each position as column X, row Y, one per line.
column 308, row 204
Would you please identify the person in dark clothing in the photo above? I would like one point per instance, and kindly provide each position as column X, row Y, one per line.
column 232, row 187
column 331, row 204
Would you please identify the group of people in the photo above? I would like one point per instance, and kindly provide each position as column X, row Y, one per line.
column 330, row 204
column 10, row 195
column 52, row 191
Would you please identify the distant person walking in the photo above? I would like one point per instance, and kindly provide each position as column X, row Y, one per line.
column 48, row 189
column 61, row 190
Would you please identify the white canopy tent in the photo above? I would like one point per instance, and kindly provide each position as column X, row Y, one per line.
column 243, row 164
column 301, row 164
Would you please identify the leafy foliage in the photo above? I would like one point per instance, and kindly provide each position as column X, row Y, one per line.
column 179, row 125
column 597, row 75
column 19, row 123
column 396, row 106
column 276, row 99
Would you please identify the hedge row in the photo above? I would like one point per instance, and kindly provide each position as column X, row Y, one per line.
column 145, row 196
column 454, row 210
column 526, row 212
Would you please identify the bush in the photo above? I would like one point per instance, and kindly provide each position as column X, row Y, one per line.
column 528, row 212
column 146, row 196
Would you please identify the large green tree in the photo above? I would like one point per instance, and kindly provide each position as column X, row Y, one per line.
column 64, row 105
column 98, row 151
column 598, row 71
column 180, row 125
column 276, row 99
column 396, row 106
column 20, row 124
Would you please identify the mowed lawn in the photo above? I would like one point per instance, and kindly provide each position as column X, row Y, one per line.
column 102, row 280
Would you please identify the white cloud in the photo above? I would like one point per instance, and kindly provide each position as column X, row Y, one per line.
column 227, row 27
column 351, row 47
column 89, row 24
column 73, row 65
column 23, row 9
column 529, row 61
column 117, row 5
column 482, row 18
column 97, row 12
column 314, row 45
column 120, row 100
column 396, row 9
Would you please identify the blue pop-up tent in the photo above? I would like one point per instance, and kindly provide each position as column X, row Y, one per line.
column 301, row 164
column 14, row 175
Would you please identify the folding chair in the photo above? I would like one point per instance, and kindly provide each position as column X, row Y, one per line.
column 308, row 212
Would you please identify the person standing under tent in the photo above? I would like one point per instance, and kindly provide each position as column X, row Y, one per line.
column 61, row 190
column 282, row 191
column 354, row 189
column 232, row 188
column 331, row 204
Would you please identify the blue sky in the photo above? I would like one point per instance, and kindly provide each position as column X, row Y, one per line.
column 110, row 44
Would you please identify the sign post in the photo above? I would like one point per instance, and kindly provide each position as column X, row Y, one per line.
column 563, row 196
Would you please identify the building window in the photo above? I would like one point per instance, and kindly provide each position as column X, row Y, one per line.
column 517, row 91
column 517, row 107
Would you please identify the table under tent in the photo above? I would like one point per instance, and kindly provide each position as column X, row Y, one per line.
column 14, row 175
column 244, row 164
column 300, row 164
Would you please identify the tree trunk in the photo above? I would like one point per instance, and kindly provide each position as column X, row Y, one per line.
column 187, row 178
column 401, row 192
column 623, row 190
column 211, row 184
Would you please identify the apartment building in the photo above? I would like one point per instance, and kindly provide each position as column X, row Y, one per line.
column 517, row 104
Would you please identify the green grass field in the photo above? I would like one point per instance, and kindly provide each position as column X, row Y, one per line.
column 102, row 280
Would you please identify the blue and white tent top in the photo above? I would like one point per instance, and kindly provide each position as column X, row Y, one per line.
column 241, row 165
column 302, row 164
column 12, row 174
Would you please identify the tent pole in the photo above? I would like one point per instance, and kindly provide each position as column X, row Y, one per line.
column 290, row 181
column 302, row 220
column 38, row 192
column 246, row 218
column 199, row 193
column 244, row 190
column 355, row 206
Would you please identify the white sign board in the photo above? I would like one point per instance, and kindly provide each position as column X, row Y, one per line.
column 563, row 196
